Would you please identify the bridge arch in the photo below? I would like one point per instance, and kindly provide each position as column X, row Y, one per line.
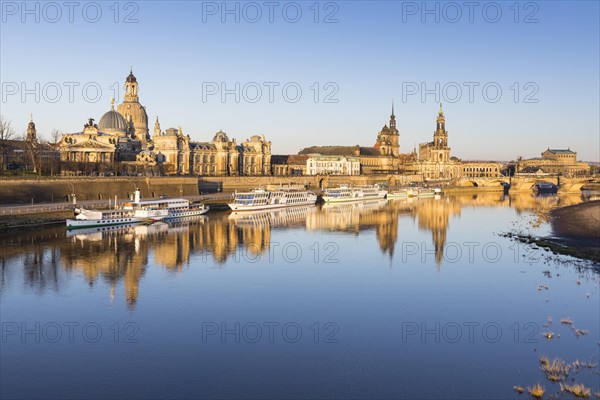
column 493, row 183
column 468, row 183
column 574, row 186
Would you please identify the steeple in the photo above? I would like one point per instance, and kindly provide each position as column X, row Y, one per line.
column 393, row 120
column 157, row 131
column 31, row 131
column 440, row 136
column 441, row 122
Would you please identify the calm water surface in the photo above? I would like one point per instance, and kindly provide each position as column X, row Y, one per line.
column 415, row 299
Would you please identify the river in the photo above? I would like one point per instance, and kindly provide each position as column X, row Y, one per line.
column 389, row 299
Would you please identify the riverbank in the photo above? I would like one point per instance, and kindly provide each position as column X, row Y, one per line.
column 28, row 221
column 579, row 221
column 575, row 232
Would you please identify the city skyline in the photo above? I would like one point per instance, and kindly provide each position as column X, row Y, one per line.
column 180, row 67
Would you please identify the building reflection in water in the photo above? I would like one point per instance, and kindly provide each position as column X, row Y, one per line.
column 46, row 257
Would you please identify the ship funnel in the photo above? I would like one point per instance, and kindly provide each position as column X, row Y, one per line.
column 137, row 196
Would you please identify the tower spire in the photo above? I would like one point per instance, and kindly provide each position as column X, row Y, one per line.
column 441, row 111
column 393, row 120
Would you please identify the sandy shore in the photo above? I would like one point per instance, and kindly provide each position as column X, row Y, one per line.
column 576, row 231
column 577, row 221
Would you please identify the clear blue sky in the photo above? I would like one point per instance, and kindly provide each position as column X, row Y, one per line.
column 375, row 51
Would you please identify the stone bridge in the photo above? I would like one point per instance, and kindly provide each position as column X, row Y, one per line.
column 526, row 182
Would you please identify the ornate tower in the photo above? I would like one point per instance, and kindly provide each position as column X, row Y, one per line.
column 31, row 131
column 393, row 121
column 131, row 109
column 440, row 150
column 131, row 87
column 157, row 131
column 388, row 139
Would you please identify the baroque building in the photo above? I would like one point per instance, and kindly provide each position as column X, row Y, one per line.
column 220, row 157
column 433, row 159
column 554, row 161
column 122, row 138
column 383, row 158
column 89, row 146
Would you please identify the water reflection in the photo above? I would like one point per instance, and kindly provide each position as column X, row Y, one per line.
column 47, row 257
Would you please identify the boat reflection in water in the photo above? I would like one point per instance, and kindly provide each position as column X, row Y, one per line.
column 119, row 256
column 281, row 217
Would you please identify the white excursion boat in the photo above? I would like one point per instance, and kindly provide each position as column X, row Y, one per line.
column 137, row 211
column 424, row 192
column 398, row 194
column 168, row 208
column 93, row 218
column 260, row 199
column 354, row 193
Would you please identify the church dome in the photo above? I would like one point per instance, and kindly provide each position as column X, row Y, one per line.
column 220, row 137
column 112, row 122
column 130, row 77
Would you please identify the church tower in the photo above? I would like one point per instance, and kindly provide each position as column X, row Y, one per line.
column 393, row 121
column 440, row 150
column 131, row 87
column 157, row 131
column 31, row 131
column 132, row 110
column 388, row 139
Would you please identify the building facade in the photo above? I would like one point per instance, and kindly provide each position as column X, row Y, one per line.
column 317, row 164
column 383, row 158
column 480, row 169
column 286, row 165
column 555, row 161
column 90, row 145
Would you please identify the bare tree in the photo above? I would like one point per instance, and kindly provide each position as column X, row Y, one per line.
column 7, row 133
column 55, row 136
column 33, row 149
